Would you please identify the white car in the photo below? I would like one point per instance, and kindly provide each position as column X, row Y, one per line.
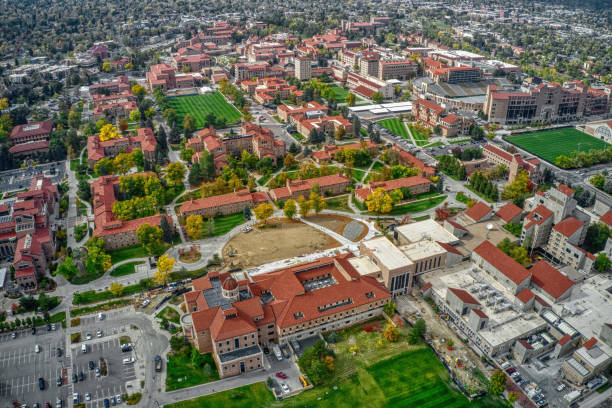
column 118, row 398
column 88, row 336
column 285, row 387
column 129, row 360
column 145, row 303
column 37, row 348
column 99, row 333
column 561, row 387
column 88, row 396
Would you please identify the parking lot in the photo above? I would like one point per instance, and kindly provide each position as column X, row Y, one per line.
column 101, row 386
column 21, row 367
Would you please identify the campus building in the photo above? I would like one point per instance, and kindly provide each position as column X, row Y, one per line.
column 303, row 68
column 224, row 204
column 496, row 156
column 367, row 86
column 455, row 75
column 266, row 90
column 191, row 63
column 397, row 69
column 334, row 184
column 114, row 106
column 143, row 140
column 320, row 122
column 286, row 112
column 249, row 71
column 411, row 161
column 234, row 315
column 163, row 76
column 115, row 232
column 415, row 185
column 431, row 115
column 327, row 153
column 254, row 139
column 119, row 85
column 31, row 138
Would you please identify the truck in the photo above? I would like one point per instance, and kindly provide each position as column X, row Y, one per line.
column 277, row 352
column 158, row 363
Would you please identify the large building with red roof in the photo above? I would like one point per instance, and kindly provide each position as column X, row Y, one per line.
column 328, row 151
column 514, row 163
column 233, row 316
column 254, row 139
column 30, row 138
column 28, row 233
column 286, row 112
column 501, row 266
column 115, row 232
column 335, row 184
column 225, row 204
column 119, row 85
column 550, row 282
column 415, row 184
column 143, row 140
column 114, row 106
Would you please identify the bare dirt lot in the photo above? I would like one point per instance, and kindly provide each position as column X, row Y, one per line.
column 278, row 240
column 338, row 224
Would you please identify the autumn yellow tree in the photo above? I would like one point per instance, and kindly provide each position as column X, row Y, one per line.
column 116, row 289
column 350, row 99
column 138, row 90
column 106, row 66
column 194, row 225
column 379, row 201
column 317, row 203
column 391, row 333
column 165, row 265
column 135, row 115
column 304, row 206
column 518, row 189
column 122, row 163
column 289, row 160
column 290, row 209
column 108, row 132
column 263, row 212
column 175, row 173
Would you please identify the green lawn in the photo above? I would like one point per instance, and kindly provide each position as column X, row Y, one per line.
column 378, row 166
column 118, row 255
column 225, row 223
column 358, row 174
column 417, row 206
column 421, row 218
column 339, row 203
column 434, row 144
column 297, row 136
column 419, row 138
column 395, row 126
column 262, row 181
column 73, row 164
column 169, row 314
column 198, row 106
column 180, row 367
column 549, row 144
column 125, row 269
column 459, row 141
column 254, row 395
column 487, row 199
column 340, row 94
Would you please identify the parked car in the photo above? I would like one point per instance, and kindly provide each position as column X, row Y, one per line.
column 33, row 330
column 106, row 403
column 58, row 381
column 88, row 396
column 81, row 376
column 88, row 336
column 98, row 372
column 37, row 348
column 510, row 370
column 285, row 387
column 99, row 333
column 91, row 365
column 118, row 398
column 41, row 383
column 561, row 387
column 58, row 352
column 75, row 378
column 282, row 375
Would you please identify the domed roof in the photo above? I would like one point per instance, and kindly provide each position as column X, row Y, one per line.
column 229, row 284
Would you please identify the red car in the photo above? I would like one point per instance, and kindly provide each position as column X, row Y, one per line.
column 282, row 375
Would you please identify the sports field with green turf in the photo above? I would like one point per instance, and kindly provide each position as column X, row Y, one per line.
column 395, row 126
column 549, row 144
column 198, row 106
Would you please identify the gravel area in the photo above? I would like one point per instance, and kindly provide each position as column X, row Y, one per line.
column 353, row 230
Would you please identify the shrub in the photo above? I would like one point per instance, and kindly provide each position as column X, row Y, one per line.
column 134, row 398
column 75, row 322
column 75, row 337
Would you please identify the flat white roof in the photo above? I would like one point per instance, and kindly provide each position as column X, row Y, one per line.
column 422, row 249
column 426, row 229
column 363, row 265
column 387, row 253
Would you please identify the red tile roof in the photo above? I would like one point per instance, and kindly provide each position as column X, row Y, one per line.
column 29, row 146
column 390, row 185
column 242, row 196
column 525, row 295
column 426, row 286
column 568, row 226
column 449, row 248
column 607, row 218
column 565, row 339
column 32, row 129
column 525, row 344
column 25, row 272
column 508, row 212
column 498, row 152
column 478, row 211
column 592, row 341
column 480, row 313
column 456, row 225
column 502, row 262
column 464, row 296
column 550, row 280
column 565, row 190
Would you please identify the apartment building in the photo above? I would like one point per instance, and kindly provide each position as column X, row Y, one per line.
column 254, row 139
column 143, row 140
column 551, row 283
column 234, row 315
column 122, row 83
column 368, row 66
column 191, row 63
column 496, row 156
column 415, row 185
column 335, row 184
column 115, row 232
column 397, row 69
column 30, row 138
column 225, row 204
column 286, row 112
column 536, row 227
column 114, row 105
column 303, row 68
column 310, row 121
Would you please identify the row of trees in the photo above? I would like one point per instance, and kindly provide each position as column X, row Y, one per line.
column 584, row 159
column 480, row 183
column 451, row 166
column 602, row 181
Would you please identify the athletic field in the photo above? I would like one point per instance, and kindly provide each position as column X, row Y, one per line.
column 395, row 126
column 549, row 144
column 198, row 106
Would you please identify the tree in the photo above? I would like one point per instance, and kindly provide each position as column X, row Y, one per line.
column 350, row 99
column 122, row 163
column 97, row 259
column 417, row 331
column 189, row 123
column 317, row 203
column 67, row 268
column 123, row 125
column 304, row 206
column 150, row 238
column 108, row 132
column 187, row 153
column 290, row 209
column 390, row 309
column 139, row 91
column 379, row 201
column 165, row 265
column 513, row 397
column 194, row 226
column 339, row 133
column 74, row 119
column 377, row 97
column 602, row 263
column 167, row 233
column 170, row 116
column 497, row 383
column 116, row 289
column 289, row 160
column 391, row 333
column 175, row 173
column 106, row 66
column 264, row 211
column 596, row 237
column 135, row 115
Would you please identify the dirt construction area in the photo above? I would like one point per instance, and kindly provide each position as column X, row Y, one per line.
column 277, row 240
column 345, row 226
